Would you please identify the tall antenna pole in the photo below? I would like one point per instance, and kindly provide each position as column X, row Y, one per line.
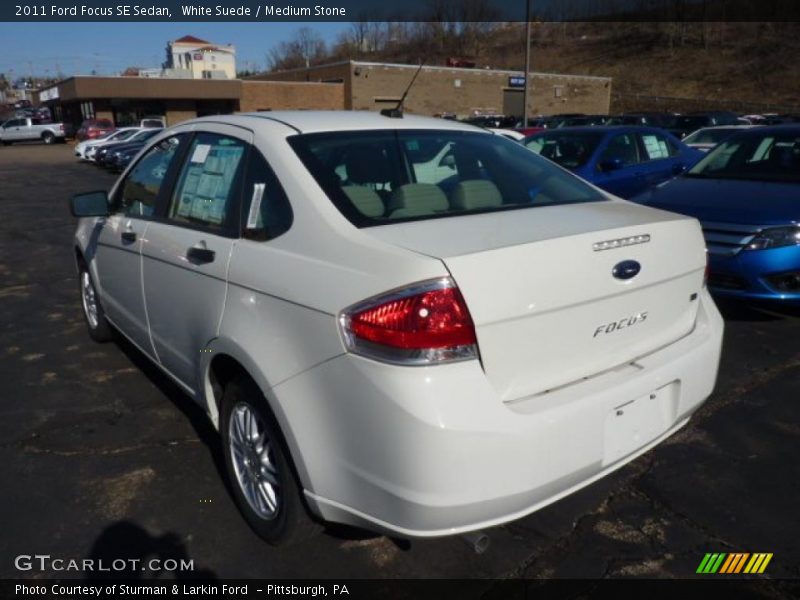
column 527, row 62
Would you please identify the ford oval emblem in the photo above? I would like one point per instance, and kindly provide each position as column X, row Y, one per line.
column 627, row 269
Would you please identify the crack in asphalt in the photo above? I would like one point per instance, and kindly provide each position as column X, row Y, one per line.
column 29, row 449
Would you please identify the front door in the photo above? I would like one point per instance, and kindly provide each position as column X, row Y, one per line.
column 185, row 262
column 12, row 130
column 122, row 236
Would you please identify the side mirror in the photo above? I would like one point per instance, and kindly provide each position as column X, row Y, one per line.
column 90, row 204
column 611, row 164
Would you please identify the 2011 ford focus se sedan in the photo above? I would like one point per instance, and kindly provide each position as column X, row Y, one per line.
column 405, row 324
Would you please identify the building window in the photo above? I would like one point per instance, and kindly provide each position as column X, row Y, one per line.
column 87, row 110
column 558, row 91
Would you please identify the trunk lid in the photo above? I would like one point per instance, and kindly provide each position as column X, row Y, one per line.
column 546, row 307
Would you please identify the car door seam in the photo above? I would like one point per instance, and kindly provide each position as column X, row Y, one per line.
column 227, row 287
column 144, row 296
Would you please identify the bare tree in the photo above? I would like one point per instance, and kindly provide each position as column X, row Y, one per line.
column 306, row 48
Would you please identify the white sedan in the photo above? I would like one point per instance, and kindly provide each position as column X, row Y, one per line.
column 387, row 347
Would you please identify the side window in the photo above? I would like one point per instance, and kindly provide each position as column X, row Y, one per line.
column 269, row 213
column 140, row 189
column 657, row 146
column 624, row 148
column 208, row 187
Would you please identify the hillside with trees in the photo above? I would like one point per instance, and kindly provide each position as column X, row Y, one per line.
column 754, row 63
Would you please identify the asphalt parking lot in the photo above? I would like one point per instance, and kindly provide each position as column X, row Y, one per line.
column 103, row 457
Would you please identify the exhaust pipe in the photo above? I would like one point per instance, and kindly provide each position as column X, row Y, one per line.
column 477, row 540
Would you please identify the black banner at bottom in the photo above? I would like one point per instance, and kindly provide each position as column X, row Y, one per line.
column 401, row 589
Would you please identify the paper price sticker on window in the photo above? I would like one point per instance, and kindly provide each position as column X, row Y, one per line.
column 255, row 206
column 200, row 153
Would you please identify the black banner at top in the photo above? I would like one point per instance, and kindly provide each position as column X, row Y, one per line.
column 397, row 10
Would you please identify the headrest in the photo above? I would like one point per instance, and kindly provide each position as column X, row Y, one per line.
column 365, row 199
column 475, row 194
column 418, row 199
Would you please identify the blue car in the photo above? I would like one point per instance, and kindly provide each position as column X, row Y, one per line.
column 624, row 161
column 746, row 195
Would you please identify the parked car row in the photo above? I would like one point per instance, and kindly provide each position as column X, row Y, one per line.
column 679, row 125
column 114, row 150
column 91, row 129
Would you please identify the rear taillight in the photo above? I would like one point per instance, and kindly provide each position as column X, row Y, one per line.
column 426, row 323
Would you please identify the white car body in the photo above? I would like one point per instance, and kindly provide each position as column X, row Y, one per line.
column 515, row 136
column 578, row 372
column 86, row 149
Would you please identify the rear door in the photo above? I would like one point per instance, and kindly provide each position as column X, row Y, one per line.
column 185, row 262
column 662, row 159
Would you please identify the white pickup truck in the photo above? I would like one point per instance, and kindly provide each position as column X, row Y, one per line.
column 24, row 128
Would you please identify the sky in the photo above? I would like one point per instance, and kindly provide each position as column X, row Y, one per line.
column 108, row 48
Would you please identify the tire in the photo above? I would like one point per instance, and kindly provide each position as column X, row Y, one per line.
column 93, row 313
column 48, row 138
column 272, row 503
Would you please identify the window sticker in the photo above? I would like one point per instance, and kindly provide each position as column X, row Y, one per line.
column 255, row 205
column 200, row 153
column 654, row 148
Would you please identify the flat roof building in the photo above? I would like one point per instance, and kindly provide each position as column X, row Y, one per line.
column 125, row 100
column 465, row 92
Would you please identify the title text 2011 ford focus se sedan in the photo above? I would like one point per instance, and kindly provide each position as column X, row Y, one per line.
column 405, row 324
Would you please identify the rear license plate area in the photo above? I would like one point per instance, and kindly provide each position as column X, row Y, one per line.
column 635, row 423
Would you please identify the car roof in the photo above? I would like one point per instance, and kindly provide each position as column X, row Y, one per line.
column 791, row 129
column 314, row 121
column 602, row 129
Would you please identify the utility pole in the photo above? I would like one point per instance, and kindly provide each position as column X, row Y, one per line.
column 527, row 62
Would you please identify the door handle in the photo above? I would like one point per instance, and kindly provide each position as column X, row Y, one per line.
column 128, row 236
column 198, row 255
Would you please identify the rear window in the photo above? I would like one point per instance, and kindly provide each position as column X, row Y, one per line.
column 708, row 136
column 384, row 176
column 570, row 149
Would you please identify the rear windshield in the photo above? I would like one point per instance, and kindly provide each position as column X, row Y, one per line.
column 384, row 176
column 570, row 149
column 708, row 136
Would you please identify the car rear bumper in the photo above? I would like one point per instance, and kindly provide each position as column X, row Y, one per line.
column 420, row 452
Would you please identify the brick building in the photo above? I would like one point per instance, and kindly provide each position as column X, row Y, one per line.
column 372, row 86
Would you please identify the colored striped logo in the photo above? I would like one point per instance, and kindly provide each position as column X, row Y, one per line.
column 735, row 562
